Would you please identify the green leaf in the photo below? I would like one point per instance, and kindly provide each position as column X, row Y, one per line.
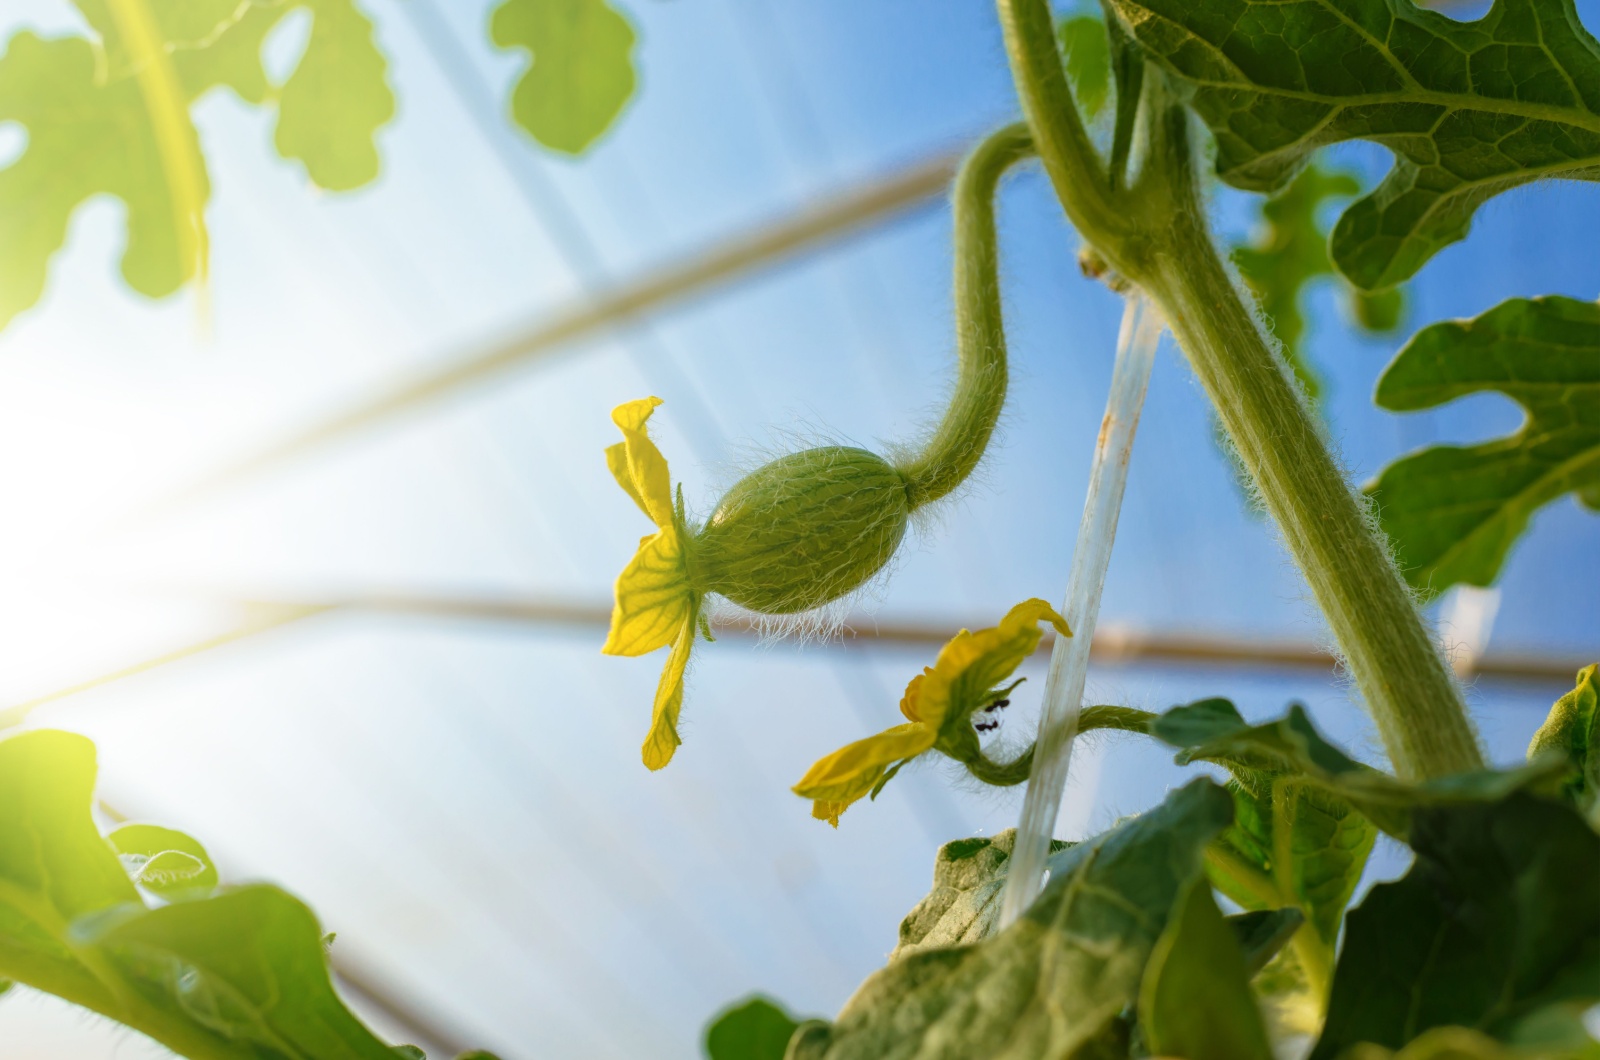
column 1058, row 979
column 1294, row 844
column 1469, row 109
column 964, row 904
column 1261, row 934
column 1088, row 61
column 1212, row 730
column 90, row 130
column 330, row 105
column 85, row 139
column 1454, row 512
column 247, row 965
column 1289, row 250
column 1497, row 923
column 54, row 867
column 582, row 72
column 1463, row 1043
column 240, row 975
column 1573, row 730
column 163, row 859
column 753, row 1029
column 1195, row 1001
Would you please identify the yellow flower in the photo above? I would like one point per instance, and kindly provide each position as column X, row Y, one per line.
column 938, row 705
column 656, row 605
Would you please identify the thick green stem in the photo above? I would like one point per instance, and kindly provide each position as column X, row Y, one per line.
column 1395, row 663
column 961, row 438
column 1154, row 234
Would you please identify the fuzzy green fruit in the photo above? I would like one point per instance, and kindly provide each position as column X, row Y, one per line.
column 802, row 531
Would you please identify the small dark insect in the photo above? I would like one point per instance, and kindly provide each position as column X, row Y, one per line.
column 991, row 723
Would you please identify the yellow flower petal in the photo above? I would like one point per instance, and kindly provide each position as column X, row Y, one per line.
column 828, row 811
column 617, row 461
column 909, row 702
column 973, row 663
column 663, row 739
column 850, row 772
column 654, row 599
column 651, row 483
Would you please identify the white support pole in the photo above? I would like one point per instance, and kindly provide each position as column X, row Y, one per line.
column 1069, row 661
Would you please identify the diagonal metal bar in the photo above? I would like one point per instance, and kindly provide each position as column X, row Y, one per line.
column 731, row 260
column 1112, row 646
column 259, row 618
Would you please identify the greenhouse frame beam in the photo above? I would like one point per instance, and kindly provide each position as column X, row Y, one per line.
column 1113, row 645
column 830, row 219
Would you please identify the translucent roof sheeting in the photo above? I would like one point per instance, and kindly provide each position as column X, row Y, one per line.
column 382, row 719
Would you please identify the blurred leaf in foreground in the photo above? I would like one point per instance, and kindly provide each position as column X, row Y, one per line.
column 582, row 71
column 163, row 859
column 1453, row 512
column 93, row 130
column 239, row 974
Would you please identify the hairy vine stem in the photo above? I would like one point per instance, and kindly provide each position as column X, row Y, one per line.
column 1153, row 232
column 962, row 436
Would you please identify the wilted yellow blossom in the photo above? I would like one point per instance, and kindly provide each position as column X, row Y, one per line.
column 938, row 705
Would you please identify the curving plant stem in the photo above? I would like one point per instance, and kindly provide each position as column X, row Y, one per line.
column 1153, row 233
column 1069, row 659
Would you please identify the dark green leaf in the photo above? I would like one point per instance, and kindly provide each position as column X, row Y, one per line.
column 409, row 1052
column 1463, row 1043
column 582, row 72
column 1573, row 730
column 753, row 1029
column 1212, row 730
column 1196, row 1001
column 1294, row 844
column 1454, row 512
column 164, row 860
column 1088, row 61
column 1262, row 933
column 1496, row 923
column 1058, row 979
column 1469, row 109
